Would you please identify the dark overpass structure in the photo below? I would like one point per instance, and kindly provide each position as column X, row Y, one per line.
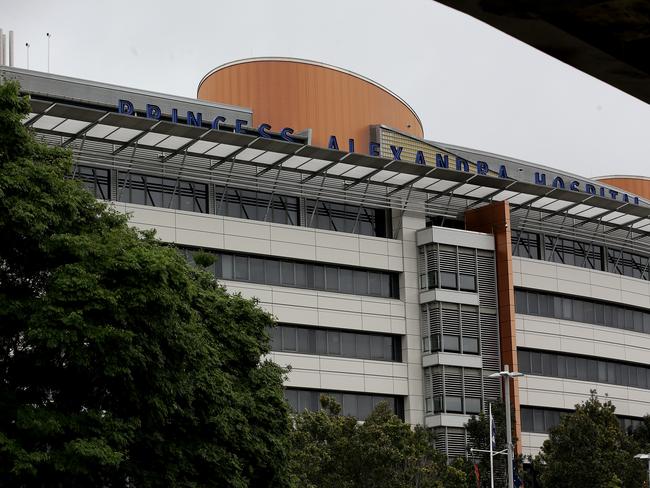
column 609, row 40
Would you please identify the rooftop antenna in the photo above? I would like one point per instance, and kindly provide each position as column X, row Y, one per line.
column 11, row 48
column 2, row 48
column 27, row 48
column 48, row 51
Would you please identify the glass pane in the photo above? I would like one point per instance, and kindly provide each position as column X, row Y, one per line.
column 289, row 340
column 348, row 345
column 346, row 280
column 451, row 343
column 333, row 343
column 470, row 345
column 467, row 282
column 331, row 278
column 363, row 346
column 454, row 404
column 272, row 272
column 472, row 405
column 448, row 280
column 361, row 282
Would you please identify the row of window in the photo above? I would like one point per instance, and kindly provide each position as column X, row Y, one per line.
column 333, row 342
column 541, row 420
column 450, row 389
column 580, row 253
column 256, row 205
column 454, row 404
column 299, row 274
column 234, row 202
column 343, row 217
column 357, row 405
column 583, row 368
column 450, row 327
column 581, row 310
column 448, row 267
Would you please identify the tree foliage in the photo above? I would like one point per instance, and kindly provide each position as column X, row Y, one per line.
column 329, row 450
column 120, row 364
column 589, row 449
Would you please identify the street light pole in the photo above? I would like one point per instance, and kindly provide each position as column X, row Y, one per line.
column 508, row 426
column 507, row 375
column 647, row 457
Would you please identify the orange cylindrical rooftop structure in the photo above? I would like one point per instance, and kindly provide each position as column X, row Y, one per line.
column 300, row 94
column 639, row 185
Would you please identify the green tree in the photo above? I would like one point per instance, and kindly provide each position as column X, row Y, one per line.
column 329, row 450
column 120, row 364
column 589, row 449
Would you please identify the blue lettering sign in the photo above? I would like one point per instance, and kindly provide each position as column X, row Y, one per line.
column 613, row 193
column 574, row 185
column 217, row 121
column 397, row 152
column 419, row 158
column 558, row 182
column 351, row 145
column 153, row 112
column 462, row 165
column 263, row 130
column 442, row 161
column 373, row 149
column 285, row 134
column 502, row 172
column 196, row 121
column 591, row 189
column 175, row 115
column 239, row 125
column 482, row 168
column 540, row 178
column 125, row 107
column 333, row 143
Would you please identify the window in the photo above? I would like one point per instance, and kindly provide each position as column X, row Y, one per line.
column 450, row 327
column 525, row 244
column 544, row 304
column 162, row 192
column 296, row 274
column 542, row 420
column 454, row 404
column 95, row 180
column 335, row 342
column 583, row 368
column 347, row 218
column 358, row 405
column 256, row 205
column 448, row 267
column 580, row 253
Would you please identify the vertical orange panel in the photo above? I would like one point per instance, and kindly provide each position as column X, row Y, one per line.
column 495, row 219
column 638, row 185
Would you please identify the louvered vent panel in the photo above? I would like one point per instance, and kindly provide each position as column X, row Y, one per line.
column 467, row 261
column 428, row 383
column 448, row 259
column 469, row 319
column 456, row 442
column 491, row 386
column 453, row 382
column 424, row 321
column 473, row 383
column 431, row 258
column 490, row 341
column 487, row 288
column 435, row 320
column 440, row 439
column 450, row 319
column 436, row 381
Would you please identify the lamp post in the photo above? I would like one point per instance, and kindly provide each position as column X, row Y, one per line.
column 507, row 375
column 647, row 457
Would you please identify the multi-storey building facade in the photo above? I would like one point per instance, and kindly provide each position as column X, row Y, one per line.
column 399, row 269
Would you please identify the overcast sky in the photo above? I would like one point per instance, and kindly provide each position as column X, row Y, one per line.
column 470, row 84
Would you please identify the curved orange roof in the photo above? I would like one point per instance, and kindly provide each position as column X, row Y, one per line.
column 639, row 185
column 302, row 94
